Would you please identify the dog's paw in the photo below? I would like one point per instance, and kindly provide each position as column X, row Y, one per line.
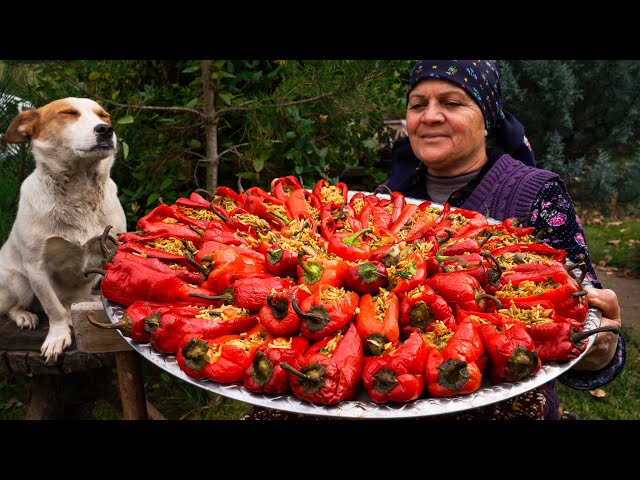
column 24, row 319
column 58, row 339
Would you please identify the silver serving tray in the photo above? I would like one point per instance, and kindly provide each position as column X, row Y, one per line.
column 362, row 406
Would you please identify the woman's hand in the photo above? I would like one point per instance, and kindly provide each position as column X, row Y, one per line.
column 605, row 344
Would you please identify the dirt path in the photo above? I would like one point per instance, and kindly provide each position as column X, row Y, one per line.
column 628, row 291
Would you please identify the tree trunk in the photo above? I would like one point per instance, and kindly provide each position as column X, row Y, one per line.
column 211, row 128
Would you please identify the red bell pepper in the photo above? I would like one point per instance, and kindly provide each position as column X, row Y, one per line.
column 551, row 333
column 321, row 270
column 424, row 216
column 326, row 311
column 327, row 193
column 366, row 277
column 282, row 260
column 371, row 215
column 132, row 323
column 350, row 246
column 398, row 375
column 223, row 359
column 303, row 205
column 408, row 273
column 459, row 289
column 511, row 350
column 465, row 223
column 377, row 322
column 330, row 371
column 227, row 199
column 274, row 213
column 169, row 221
column 278, row 315
column 283, row 186
column 359, row 200
column 159, row 246
column 221, row 233
column 454, row 361
column 558, row 287
column 420, row 308
column 126, row 281
column 381, row 240
column 264, row 373
column 179, row 270
column 249, row 291
column 167, row 330
column 228, row 262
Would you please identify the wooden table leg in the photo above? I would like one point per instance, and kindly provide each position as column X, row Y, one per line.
column 131, row 382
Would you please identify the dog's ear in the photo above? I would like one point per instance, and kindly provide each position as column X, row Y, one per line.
column 22, row 127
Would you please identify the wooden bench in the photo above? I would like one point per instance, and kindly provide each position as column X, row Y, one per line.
column 85, row 365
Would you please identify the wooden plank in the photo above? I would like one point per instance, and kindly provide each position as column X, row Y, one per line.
column 90, row 338
column 134, row 404
column 13, row 338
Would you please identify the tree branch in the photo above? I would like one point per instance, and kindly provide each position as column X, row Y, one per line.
column 117, row 104
column 233, row 149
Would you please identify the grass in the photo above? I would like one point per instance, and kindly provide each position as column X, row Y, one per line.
column 611, row 242
column 620, row 400
column 615, row 243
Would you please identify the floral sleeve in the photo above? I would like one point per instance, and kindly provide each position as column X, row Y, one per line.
column 554, row 208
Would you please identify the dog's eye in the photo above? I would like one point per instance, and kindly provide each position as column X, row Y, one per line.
column 73, row 113
column 104, row 115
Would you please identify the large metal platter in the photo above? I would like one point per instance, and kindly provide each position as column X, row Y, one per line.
column 362, row 407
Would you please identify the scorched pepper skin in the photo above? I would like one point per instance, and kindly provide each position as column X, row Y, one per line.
column 396, row 376
column 264, row 373
column 328, row 373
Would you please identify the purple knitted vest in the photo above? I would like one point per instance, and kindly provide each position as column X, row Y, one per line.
column 508, row 189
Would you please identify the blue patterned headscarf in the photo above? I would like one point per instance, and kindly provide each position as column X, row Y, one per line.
column 481, row 80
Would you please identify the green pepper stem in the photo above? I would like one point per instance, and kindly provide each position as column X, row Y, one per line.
column 285, row 220
column 312, row 270
column 352, row 240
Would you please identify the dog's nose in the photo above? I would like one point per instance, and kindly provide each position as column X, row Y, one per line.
column 104, row 131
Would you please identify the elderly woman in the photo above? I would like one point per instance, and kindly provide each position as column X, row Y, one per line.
column 464, row 149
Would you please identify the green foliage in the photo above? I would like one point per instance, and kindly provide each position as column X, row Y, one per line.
column 579, row 115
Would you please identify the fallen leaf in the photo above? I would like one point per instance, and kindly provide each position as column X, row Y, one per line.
column 614, row 224
column 614, row 242
column 598, row 393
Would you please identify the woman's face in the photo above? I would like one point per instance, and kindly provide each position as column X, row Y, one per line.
column 446, row 128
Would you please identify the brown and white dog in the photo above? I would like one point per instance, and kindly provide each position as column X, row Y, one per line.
column 65, row 205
